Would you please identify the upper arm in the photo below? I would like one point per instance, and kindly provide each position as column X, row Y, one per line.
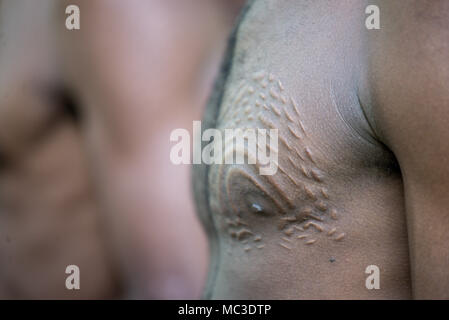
column 409, row 71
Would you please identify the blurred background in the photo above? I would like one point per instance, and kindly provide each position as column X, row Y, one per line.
column 85, row 120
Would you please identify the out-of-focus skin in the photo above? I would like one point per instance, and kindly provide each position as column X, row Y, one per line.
column 85, row 117
column 48, row 215
column 363, row 157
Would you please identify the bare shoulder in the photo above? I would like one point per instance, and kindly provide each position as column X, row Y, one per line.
column 409, row 75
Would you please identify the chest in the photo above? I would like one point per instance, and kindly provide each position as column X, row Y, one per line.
column 303, row 96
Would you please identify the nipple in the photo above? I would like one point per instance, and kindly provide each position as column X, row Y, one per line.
column 256, row 208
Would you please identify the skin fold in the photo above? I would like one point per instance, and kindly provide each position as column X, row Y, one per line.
column 363, row 154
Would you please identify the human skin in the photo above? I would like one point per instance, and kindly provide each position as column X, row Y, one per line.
column 363, row 156
column 48, row 214
column 85, row 116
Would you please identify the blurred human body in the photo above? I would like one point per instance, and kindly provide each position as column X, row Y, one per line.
column 85, row 176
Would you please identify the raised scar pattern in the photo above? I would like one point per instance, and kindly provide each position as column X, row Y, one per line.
column 309, row 242
column 262, row 102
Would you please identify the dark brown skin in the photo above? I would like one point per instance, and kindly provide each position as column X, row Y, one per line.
column 363, row 154
column 409, row 104
column 97, row 190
